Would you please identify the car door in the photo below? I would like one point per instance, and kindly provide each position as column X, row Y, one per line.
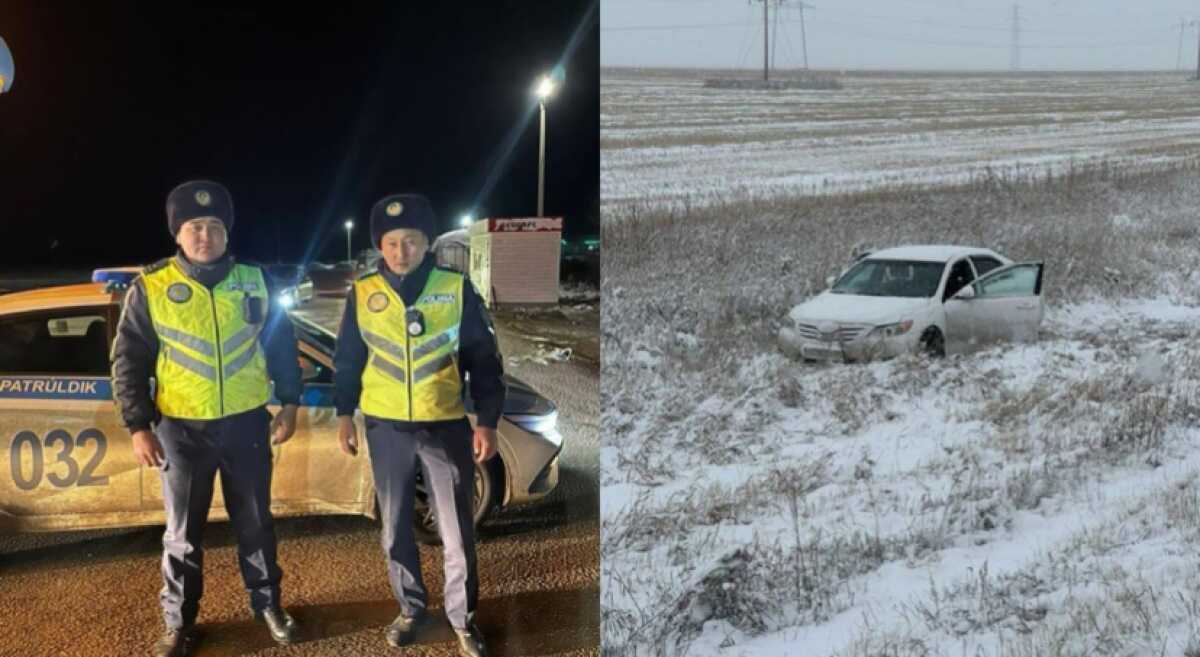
column 1006, row 304
column 311, row 474
column 965, row 329
column 69, row 462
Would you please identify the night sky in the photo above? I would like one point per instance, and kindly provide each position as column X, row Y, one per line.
column 308, row 116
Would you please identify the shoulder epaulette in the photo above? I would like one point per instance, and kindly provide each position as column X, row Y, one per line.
column 150, row 269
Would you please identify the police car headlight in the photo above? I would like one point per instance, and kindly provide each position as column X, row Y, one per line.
column 892, row 330
column 286, row 299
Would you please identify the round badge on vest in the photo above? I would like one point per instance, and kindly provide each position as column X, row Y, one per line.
column 179, row 293
column 377, row 302
column 416, row 322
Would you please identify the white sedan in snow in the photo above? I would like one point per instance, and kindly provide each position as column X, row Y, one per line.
column 936, row 299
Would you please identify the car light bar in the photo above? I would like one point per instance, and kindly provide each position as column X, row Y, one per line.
column 120, row 275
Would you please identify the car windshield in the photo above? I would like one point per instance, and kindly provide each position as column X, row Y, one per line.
column 891, row 278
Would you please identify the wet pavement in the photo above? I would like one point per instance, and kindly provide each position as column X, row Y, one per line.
column 95, row 593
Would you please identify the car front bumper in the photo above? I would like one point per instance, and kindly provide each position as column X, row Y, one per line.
column 864, row 346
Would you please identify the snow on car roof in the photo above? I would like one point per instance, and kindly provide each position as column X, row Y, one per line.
column 929, row 252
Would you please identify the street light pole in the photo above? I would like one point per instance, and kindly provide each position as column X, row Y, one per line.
column 349, row 227
column 545, row 88
column 542, row 158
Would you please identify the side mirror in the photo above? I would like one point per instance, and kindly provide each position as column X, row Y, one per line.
column 966, row 294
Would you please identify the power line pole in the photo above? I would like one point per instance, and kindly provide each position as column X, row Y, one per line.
column 765, row 3
column 803, row 40
column 1197, row 24
column 775, row 37
column 1015, row 62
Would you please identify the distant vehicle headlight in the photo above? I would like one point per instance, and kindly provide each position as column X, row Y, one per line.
column 892, row 330
column 287, row 299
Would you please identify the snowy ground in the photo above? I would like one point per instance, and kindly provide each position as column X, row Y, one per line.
column 666, row 138
column 1026, row 500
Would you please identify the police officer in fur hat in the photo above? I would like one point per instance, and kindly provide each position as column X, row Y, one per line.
column 202, row 325
column 410, row 333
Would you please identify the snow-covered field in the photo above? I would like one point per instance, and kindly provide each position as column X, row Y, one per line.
column 1026, row 500
column 664, row 137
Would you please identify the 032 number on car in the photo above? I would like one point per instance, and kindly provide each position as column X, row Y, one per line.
column 73, row 474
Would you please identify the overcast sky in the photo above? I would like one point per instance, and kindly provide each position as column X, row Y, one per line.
column 902, row 34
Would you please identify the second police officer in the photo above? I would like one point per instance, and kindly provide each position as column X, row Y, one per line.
column 410, row 333
column 202, row 325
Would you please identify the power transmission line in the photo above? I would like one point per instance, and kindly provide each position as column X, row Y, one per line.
column 975, row 44
column 934, row 42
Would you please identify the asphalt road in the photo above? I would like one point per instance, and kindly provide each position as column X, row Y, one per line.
column 96, row 593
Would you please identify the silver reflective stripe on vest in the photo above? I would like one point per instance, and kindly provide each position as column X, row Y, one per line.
column 383, row 344
column 431, row 346
column 191, row 364
column 190, row 341
column 432, row 367
column 247, row 333
column 389, row 368
column 234, row 366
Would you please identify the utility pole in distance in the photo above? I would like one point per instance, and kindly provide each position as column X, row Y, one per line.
column 765, row 3
column 803, row 39
column 1197, row 24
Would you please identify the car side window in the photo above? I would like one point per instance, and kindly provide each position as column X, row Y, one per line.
column 59, row 342
column 1019, row 281
column 960, row 275
column 984, row 264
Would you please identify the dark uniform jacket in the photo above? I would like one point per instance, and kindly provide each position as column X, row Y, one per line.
column 135, row 349
column 478, row 354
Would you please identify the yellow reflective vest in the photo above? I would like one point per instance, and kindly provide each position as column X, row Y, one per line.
column 412, row 378
column 209, row 363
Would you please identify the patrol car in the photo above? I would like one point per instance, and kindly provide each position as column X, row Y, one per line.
column 71, row 466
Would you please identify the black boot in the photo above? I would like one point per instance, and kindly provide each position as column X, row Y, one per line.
column 281, row 624
column 470, row 641
column 403, row 630
column 176, row 642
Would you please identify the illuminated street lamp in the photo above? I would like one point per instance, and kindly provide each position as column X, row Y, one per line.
column 466, row 220
column 544, row 89
column 349, row 227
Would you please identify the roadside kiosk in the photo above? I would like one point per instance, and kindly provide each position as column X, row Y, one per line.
column 515, row 262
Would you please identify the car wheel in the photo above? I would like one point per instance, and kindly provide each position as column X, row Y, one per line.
column 488, row 480
column 933, row 343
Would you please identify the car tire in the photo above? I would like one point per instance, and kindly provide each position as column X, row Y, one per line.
column 933, row 343
column 489, row 481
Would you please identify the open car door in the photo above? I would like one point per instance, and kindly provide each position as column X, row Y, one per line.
column 1004, row 305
